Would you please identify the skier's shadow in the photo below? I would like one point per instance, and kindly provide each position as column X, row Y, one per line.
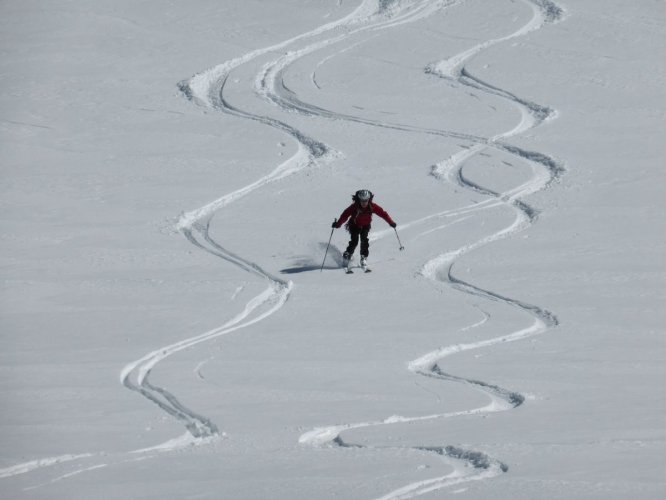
column 305, row 264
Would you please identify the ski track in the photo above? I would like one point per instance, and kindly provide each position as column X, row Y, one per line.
column 207, row 89
column 270, row 85
column 135, row 376
column 78, row 464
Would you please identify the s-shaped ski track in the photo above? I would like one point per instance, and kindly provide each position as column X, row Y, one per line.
column 270, row 85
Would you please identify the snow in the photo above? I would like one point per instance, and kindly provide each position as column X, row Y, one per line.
column 170, row 173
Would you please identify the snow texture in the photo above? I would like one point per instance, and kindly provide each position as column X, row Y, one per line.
column 170, row 329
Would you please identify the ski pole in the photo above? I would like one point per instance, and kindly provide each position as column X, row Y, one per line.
column 399, row 242
column 329, row 244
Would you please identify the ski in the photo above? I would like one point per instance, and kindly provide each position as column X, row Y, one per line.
column 348, row 270
column 347, row 266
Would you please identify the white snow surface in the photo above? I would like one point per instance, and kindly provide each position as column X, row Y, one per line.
column 170, row 173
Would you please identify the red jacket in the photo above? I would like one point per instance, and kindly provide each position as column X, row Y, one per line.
column 363, row 216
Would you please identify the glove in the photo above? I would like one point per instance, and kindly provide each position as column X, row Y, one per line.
column 334, row 225
column 393, row 225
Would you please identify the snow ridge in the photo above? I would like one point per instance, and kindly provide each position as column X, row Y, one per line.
column 270, row 85
column 26, row 467
column 545, row 169
column 135, row 375
column 208, row 89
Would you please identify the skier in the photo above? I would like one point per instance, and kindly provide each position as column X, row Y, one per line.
column 359, row 214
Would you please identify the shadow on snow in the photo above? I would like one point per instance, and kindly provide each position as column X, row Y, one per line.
column 306, row 264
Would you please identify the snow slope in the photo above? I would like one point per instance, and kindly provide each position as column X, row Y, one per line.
column 171, row 172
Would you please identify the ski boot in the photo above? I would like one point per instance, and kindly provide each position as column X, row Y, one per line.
column 346, row 262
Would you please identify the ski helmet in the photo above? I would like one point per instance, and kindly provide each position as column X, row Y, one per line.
column 363, row 195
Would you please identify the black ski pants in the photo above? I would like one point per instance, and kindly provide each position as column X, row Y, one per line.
column 356, row 232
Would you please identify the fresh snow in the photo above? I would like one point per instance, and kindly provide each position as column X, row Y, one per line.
column 171, row 171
